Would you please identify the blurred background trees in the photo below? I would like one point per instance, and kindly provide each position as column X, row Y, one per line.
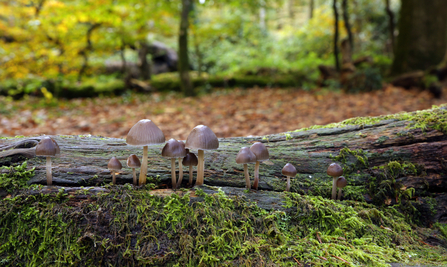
column 84, row 48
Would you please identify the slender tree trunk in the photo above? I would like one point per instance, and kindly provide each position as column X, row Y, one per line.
column 311, row 8
column 85, row 51
column 390, row 14
column 422, row 38
column 344, row 5
column 183, row 63
column 337, row 63
column 145, row 67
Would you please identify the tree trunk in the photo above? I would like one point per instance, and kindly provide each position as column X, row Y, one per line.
column 311, row 8
column 145, row 67
column 422, row 38
column 390, row 14
column 334, row 7
column 85, row 51
column 183, row 63
column 347, row 24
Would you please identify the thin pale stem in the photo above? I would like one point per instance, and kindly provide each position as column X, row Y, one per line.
column 200, row 167
column 174, row 179
column 49, row 173
column 288, row 183
column 113, row 177
column 190, row 175
column 334, row 187
column 135, row 181
column 180, row 173
column 256, row 180
column 247, row 176
column 143, row 171
column 339, row 194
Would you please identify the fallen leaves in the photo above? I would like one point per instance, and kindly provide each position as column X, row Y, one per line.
column 236, row 112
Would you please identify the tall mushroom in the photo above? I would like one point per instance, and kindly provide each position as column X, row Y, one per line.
column 341, row 183
column 201, row 138
column 190, row 160
column 174, row 149
column 335, row 171
column 144, row 133
column 290, row 171
column 47, row 147
column 262, row 154
column 133, row 162
column 180, row 164
column 114, row 165
column 245, row 156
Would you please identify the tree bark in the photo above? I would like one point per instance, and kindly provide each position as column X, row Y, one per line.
column 145, row 67
column 85, row 51
column 422, row 38
column 311, row 8
column 390, row 14
column 337, row 62
column 344, row 5
column 183, row 64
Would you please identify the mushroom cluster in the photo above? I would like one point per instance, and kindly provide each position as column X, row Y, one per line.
column 335, row 171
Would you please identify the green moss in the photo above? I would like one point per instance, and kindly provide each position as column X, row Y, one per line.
column 15, row 177
column 352, row 160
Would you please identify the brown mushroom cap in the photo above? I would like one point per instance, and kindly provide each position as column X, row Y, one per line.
column 334, row 170
column 174, row 149
column 289, row 170
column 260, row 151
column 114, row 164
column 245, row 155
column 190, row 159
column 133, row 161
column 341, row 182
column 46, row 147
column 145, row 133
column 201, row 137
column 58, row 150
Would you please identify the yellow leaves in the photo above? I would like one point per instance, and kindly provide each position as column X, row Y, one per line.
column 54, row 4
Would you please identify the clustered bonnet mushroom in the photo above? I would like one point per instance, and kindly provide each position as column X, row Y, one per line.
column 133, row 162
column 201, row 138
column 114, row 165
column 290, row 171
column 174, row 149
column 144, row 133
column 246, row 156
column 49, row 148
column 262, row 154
column 190, row 160
column 335, row 171
column 341, row 183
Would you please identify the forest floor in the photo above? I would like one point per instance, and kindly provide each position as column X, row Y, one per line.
column 236, row 112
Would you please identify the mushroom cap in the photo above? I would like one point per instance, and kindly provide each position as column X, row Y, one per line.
column 289, row 170
column 145, row 133
column 133, row 161
column 334, row 170
column 114, row 164
column 245, row 156
column 341, row 182
column 261, row 152
column 58, row 149
column 190, row 159
column 201, row 137
column 174, row 149
column 46, row 147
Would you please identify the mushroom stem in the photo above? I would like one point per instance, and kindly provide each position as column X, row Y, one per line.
column 180, row 173
column 174, row 180
column 334, row 187
column 190, row 175
column 288, row 183
column 339, row 194
column 49, row 173
column 200, row 167
column 256, row 180
column 113, row 177
column 247, row 176
column 135, row 182
column 143, row 171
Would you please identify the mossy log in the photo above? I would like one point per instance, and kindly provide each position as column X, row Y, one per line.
column 382, row 158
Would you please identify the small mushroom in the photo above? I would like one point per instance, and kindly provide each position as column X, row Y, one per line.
column 201, row 138
column 144, row 133
column 341, row 183
column 174, row 149
column 262, row 154
column 114, row 165
column 245, row 156
column 290, row 171
column 190, row 160
column 335, row 171
column 47, row 147
column 133, row 162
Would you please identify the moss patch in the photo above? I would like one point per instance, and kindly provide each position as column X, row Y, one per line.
column 15, row 177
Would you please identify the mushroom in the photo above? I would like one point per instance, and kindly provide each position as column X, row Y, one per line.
column 262, row 154
column 180, row 165
column 290, row 171
column 133, row 162
column 144, row 133
column 201, row 138
column 114, row 165
column 190, row 160
column 341, row 182
column 47, row 147
column 174, row 149
column 245, row 156
column 335, row 171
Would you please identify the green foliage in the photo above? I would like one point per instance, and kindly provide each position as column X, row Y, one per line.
column 15, row 177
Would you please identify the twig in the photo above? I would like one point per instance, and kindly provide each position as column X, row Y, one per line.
column 297, row 261
column 345, row 261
